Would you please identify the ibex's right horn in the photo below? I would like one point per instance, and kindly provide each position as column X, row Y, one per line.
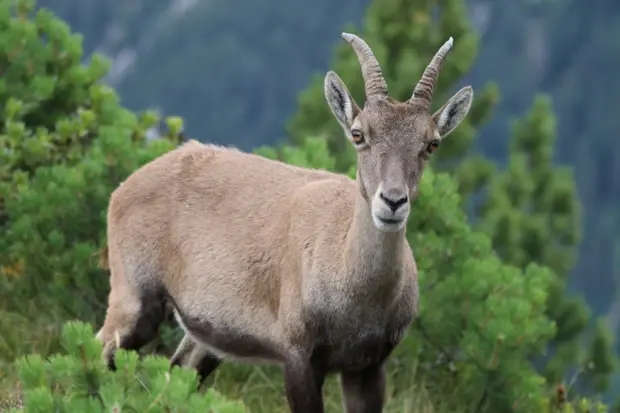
column 374, row 83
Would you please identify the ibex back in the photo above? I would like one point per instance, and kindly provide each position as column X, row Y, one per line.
column 267, row 262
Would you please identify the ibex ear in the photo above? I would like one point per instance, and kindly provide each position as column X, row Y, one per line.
column 454, row 111
column 340, row 101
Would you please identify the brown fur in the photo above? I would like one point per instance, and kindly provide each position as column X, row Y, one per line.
column 267, row 262
column 103, row 258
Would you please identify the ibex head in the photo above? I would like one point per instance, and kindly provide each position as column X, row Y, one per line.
column 393, row 139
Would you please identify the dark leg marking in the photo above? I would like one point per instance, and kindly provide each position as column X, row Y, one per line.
column 206, row 366
column 364, row 391
column 304, row 385
column 147, row 324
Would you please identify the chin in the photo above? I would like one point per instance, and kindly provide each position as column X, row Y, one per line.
column 389, row 225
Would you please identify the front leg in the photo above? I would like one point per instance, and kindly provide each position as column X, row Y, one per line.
column 304, row 385
column 364, row 390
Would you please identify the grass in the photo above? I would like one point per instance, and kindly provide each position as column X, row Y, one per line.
column 262, row 390
column 20, row 336
column 262, row 394
column 11, row 398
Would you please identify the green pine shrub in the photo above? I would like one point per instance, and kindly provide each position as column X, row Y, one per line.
column 79, row 382
column 66, row 143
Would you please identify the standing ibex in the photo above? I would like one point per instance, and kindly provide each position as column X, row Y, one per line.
column 263, row 261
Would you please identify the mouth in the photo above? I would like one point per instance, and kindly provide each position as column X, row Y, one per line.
column 388, row 221
column 389, row 224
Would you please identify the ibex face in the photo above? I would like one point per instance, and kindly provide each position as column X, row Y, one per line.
column 393, row 139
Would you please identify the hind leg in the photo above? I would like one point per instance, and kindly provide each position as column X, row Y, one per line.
column 192, row 354
column 183, row 351
column 133, row 316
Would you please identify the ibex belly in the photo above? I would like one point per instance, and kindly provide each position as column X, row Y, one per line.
column 230, row 339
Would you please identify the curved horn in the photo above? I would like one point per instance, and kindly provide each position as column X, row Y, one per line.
column 424, row 89
column 374, row 83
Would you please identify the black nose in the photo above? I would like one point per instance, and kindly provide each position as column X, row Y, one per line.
column 394, row 205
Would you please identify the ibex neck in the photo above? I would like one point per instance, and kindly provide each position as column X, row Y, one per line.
column 376, row 256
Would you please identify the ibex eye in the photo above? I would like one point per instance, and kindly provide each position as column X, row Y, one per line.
column 432, row 146
column 357, row 136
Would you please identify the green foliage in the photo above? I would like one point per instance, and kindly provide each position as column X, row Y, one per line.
column 531, row 212
column 79, row 381
column 582, row 406
column 600, row 361
column 312, row 154
column 65, row 144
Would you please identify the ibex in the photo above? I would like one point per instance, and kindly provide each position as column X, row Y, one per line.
column 267, row 262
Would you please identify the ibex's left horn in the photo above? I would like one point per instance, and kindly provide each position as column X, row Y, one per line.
column 424, row 89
